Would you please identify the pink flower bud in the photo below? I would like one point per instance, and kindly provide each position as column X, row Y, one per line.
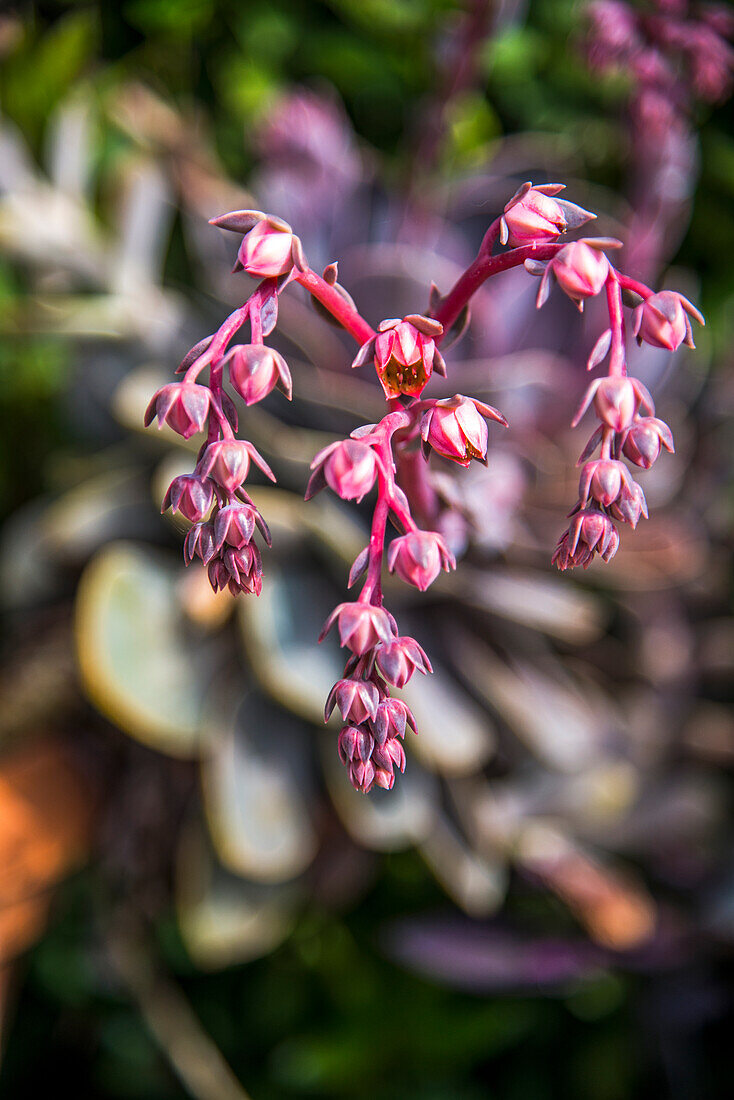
column 616, row 401
column 199, row 543
column 405, row 354
column 245, row 569
column 355, row 744
column 361, row 775
column 590, row 532
column 255, row 370
column 219, row 575
column 267, row 249
column 234, row 525
column 399, row 658
column 361, row 626
column 227, row 461
column 644, row 439
column 383, row 778
column 419, row 556
column 662, row 320
column 356, row 700
column 592, row 529
column 390, row 720
column 349, row 467
column 630, row 505
column 602, row 480
column 580, row 270
column 190, row 495
column 184, row 406
column 456, row 429
column 535, row 214
column 388, row 755
column 535, row 217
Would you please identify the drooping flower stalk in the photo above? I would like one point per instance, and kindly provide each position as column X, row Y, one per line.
column 405, row 353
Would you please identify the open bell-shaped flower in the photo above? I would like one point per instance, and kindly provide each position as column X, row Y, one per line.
column 405, row 354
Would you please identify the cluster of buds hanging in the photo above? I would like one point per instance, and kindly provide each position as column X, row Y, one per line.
column 415, row 433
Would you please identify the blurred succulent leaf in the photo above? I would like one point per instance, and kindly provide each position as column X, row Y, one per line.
column 255, row 784
column 223, row 918
column 476, row 883
column 280, row 628
column 139, row 664
column 556, row 721
column 538, row 601
column 455, row 736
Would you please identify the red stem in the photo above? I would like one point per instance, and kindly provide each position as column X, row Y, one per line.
column 617, row 358
column 387, row 500
column 632, row 284
column 338, row 307
column 484, row 266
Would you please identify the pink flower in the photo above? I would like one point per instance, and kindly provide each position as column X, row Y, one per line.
column 234, row 525
column 630, row 505
column 349, row 467
column 616, row 401
column 386, row 756
column 245, row 570
column 580, row 270
column 602, row 480
column 455, row 428
column 355, row 748
column 219, row 575
column 662, row 320
column 190, row 495
column 267, row 250
column 644, row 439
column 184, row 406
column 404, row 354
column 399, row 658
column 419, row 556
column 361, row 626
column 356, row 700
column 227, row 461
column 535, row 214
column 589, row 532
column 255, row 370
column 391, row 718
column 199, row 543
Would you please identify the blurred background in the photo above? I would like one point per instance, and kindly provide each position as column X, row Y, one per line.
column 194, row 902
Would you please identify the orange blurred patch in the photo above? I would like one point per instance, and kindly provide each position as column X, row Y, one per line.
column 45, row 819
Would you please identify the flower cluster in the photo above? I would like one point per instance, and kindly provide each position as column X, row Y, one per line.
column 627, row 426
column 405, row 354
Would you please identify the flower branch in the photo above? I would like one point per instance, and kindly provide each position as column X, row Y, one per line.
column 405, row 354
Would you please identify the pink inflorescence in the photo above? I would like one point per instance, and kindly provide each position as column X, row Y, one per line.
column 405, row 355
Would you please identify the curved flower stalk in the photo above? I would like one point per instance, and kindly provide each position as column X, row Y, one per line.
column 405, row 353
